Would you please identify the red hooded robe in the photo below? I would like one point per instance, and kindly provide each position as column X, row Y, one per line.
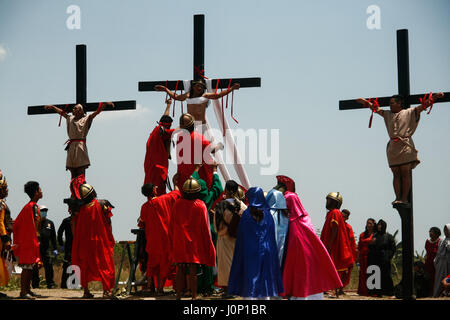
column 92, row 248
column 26, row 244
column 190, row 233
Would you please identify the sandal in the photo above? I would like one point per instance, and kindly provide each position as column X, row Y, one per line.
column 87, row 296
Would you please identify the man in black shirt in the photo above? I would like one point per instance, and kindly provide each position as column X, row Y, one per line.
column 47, row 237
column 66, row 229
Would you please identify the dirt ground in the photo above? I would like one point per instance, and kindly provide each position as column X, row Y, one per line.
column 65, row 294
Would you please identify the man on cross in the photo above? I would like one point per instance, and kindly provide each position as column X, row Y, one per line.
column 197, row 99
column 78, row 125
column 401, row 152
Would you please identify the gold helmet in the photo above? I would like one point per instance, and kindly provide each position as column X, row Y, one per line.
column 241, row 194
column 186, row 120
column 3, row 182
column 335, row 196
column 191, row 186
column 86, row 190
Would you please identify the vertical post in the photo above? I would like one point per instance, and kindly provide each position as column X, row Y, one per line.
column 81, row 73
column 406, row 214
column 199, row 45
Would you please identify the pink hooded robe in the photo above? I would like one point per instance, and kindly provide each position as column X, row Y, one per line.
column 308, row 268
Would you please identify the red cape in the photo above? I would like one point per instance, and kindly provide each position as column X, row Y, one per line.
column 190, row 233
column 155, row 214
column 26, row 244
column 351, row 238
column 340, row 251
column 185, row 169
column 92, row 248
column 156, row 161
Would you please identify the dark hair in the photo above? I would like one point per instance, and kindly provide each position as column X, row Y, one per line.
column 257, row 214
column 191, row 196
column 346, row 211
column 166, row 119
column 191, row 89
column 436, row 230
column 30, row 188
column 231, row 186
column 279, row 186
column 398, row 98
column 147, row 190
column 366, row 232
column 234, row 207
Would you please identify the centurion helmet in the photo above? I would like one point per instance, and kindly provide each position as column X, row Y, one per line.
column 335, row 196
column 191, row 186
column 3, row 182
column 87, row 192
column 186, row 121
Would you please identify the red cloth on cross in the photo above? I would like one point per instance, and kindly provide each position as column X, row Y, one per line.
column 93, row 244
column 26, row 244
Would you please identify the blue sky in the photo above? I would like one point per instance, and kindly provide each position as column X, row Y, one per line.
column 309, row 55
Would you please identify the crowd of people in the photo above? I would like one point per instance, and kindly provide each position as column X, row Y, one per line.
column 201, row 236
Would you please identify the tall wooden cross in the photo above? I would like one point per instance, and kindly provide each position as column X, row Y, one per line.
column 406, row 213
column 81, row 91
column 198, row 72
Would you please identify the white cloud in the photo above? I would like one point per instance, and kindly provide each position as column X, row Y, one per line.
column 3, row 52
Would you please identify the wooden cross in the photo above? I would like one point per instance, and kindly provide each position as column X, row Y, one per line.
column 199, row 71
column 81, row 91
column 406, row 213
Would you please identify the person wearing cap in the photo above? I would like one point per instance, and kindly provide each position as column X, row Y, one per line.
column 47, row 239
column 189, row 233
column 26, row 231
column 5, row 244
column 196, row 98
column 255, row 270
column 155, row 217
column 334, row 236
column 157, row 154
column 193, row 149
column 93, row 243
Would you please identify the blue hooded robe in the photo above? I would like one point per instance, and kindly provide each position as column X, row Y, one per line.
column 255, row 270
column 276, row 201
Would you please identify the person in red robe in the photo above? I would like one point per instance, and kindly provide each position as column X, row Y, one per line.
column 25, row 237
column 191, row 243
column 431, row 248
column 93, row 243
column 157, row 154
column 351, row 236
column 193, row 148
column 363, row 251
column 334, row 236
column 155, row 217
